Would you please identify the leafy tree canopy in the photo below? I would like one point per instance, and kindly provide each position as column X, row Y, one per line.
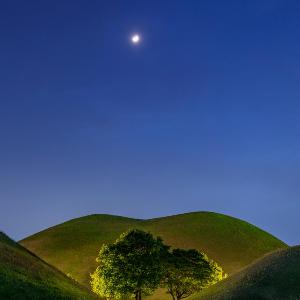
column 189, row 271
column 130, row 266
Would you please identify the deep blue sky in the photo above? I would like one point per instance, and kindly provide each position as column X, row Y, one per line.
column 202, row 115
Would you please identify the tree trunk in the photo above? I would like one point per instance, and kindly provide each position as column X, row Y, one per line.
column 138, row 295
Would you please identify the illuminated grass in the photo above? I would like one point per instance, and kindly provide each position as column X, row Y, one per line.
column 276, row 276
column 73, row 246
column 24, row 276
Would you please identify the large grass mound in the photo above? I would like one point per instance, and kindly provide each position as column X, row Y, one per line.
column 274, row 277
column 73, row 246
column 23, row 276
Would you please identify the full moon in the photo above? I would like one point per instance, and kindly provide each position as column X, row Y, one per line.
column 135, row 39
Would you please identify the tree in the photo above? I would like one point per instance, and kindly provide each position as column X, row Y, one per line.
column 189, row 271
column 130, row 266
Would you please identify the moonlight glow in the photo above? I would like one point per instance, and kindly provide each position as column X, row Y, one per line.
column 135, row 39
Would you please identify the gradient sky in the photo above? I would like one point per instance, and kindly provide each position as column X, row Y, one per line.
column 202, row 115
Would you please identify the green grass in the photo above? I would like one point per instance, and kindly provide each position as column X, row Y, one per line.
column 73, row 246
column 23, row 276
column 276, row 276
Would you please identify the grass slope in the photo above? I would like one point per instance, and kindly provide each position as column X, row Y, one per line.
column 274, row 277
column 23, row 276
column 73, row 246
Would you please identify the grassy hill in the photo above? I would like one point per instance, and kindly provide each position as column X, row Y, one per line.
column 274, row 277
column 23, row 276
column 73, row 246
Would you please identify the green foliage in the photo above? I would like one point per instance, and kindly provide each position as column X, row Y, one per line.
column 189, row 271
column 130, row 266
column 275, row 276
column 73, row 245
column 24, row 276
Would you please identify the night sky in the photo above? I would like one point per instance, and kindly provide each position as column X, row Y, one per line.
column 202, row 114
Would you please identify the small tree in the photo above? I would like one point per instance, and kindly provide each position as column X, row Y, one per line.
column 189, row 271
column 130, row 266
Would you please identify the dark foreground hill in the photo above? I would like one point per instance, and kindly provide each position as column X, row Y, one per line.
column 23, row 276
column 274, row 277
column 73, row 246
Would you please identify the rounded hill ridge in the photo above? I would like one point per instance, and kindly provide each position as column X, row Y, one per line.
column 275, row 276
column 73, row 245
column 23, row 276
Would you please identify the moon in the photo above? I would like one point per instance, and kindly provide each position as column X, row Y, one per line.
column 135, row 38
